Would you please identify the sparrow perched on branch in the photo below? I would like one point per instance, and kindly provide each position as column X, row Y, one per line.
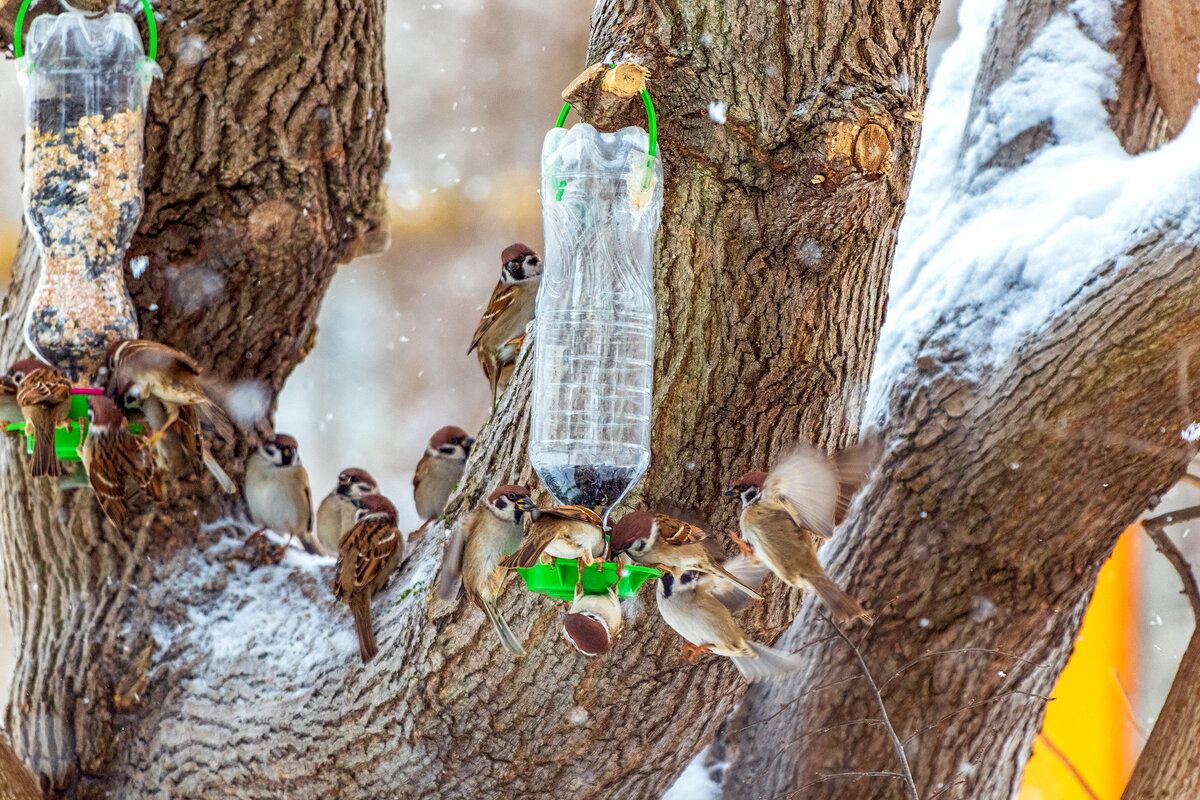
column 508, row 312
column 474, row 552
column 367, row 556
column 694, row 604
column 277, row 492
column 787, row 513
column 139, row 367
column 337, row 511
column 9, row 410
column 594, row 621
column 183, row 445
column 671, row 544
column 117, row 462
column 44, row 396
column 440, row 470
column 561, row 532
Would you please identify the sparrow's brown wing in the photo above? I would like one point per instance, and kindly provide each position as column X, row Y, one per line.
column 537, row 538
column 853, row 466
column 44, row 387
column 578, row 513
column 677, row 532
column 805, row 484
column 364, row 555
column 153, row 355
column 502, row 297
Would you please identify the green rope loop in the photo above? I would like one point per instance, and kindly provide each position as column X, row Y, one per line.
column 151, row 25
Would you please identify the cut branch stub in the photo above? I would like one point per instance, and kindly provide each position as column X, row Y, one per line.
column 864, row 147
column 607, row 97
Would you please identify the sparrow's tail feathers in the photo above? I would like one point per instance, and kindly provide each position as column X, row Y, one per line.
column 767, row 663
column 360, row 607
column 737, row 582
column 507, row 637
column 842, row 606
column 223, row 480
column 45, row 460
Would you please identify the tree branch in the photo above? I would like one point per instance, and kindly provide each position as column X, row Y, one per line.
column 1155, row 528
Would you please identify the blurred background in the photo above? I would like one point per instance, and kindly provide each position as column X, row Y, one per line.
column 394, row 331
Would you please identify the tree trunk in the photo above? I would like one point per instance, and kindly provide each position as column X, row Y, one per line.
column 1006, row 482
column 152, row 664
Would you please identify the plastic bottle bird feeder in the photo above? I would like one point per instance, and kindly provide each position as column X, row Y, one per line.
column 86, row 82
column 593, row 349
column 67, row 441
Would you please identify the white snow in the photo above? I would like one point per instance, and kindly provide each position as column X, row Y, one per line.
column 1191, row 433
column 248, row 401
column 997, row 255
column 716, row 111
column 695, row 782
column 137, row 266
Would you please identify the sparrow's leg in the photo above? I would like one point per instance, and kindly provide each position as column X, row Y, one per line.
column 172, row 415
column 691, row 652
column 742, row 544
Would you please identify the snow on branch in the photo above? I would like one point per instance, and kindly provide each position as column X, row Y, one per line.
column 990, row 253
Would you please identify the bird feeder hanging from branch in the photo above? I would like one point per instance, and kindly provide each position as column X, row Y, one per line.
column 86, row 81
column 594, row 326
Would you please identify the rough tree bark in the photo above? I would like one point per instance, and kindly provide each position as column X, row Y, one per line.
column 146, row 668
column 1002, row 491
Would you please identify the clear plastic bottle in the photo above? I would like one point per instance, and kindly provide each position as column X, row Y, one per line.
column 86, row 83
column 594, row 325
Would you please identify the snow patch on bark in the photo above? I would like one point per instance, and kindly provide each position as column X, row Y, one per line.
column 991, row 253
column 695, row 782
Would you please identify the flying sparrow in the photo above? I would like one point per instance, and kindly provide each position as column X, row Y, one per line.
column 277, row 492
column 508, row 312
column 183, row 444
column 692, row 604
column 440, row 469
column 9, row 410
column 337, row 511
column 367, row 556
column 561, row 532
column 139, row 367
column 474, row 552
column 44, row 396
column 594, row 621
column 670, row 544
column 787, row 513
column 117, row 462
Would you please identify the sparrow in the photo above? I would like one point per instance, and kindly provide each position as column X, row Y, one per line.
column 139, row 367
column 440, row 469
column 692, row 604
column 508, row 312
column 44, row 396
column 117, row 462
column 367, row 556
column 183, row 445
column 594, row 621
column 472, row 557
column 671, row 544
column 9, row 410
column 787, row 513
column 560, row 532
column 277, row 492
column 337, row 511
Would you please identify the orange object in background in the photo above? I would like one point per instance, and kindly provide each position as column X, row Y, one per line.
column 1089, row 719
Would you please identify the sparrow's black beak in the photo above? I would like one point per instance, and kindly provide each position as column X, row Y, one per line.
column 467, row 443
column 732, row 492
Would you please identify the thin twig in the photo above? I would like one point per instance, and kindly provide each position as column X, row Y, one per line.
column 931, row 654
column 1190, row 480
column 883, row 714
column 1155, row 528
column 977, row 704
column 1129, row 705
column 1083, row 784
